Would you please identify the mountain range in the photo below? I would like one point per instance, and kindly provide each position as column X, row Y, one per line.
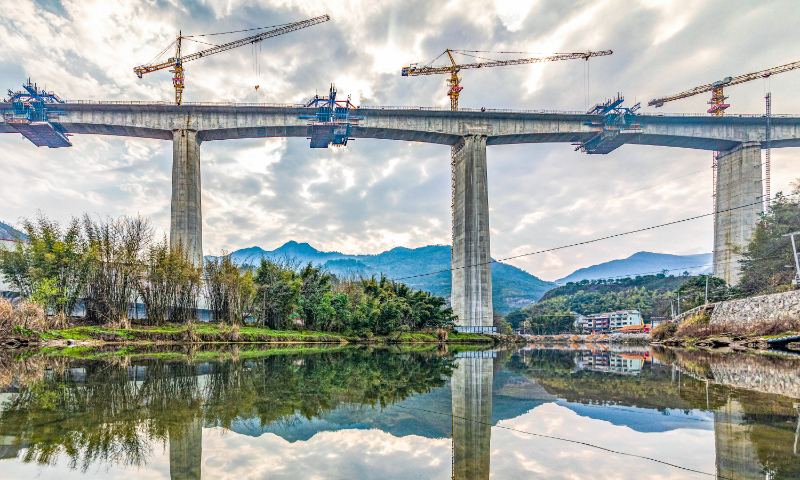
column 512, row 288
column 643, row 263
column 7, row 232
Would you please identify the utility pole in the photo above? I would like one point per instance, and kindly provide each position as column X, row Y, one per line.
column 706, row 289
column 679, row 303
column 796, row 279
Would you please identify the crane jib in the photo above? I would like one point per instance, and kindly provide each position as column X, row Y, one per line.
column 231, row 45
column 413, row 70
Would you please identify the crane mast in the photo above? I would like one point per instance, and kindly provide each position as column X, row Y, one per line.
column 176, row 62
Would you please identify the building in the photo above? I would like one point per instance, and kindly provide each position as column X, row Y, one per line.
column 624, row 318
column 598, row 322
column 609, row 321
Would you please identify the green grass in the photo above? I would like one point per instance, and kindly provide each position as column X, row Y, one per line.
column 214, row 333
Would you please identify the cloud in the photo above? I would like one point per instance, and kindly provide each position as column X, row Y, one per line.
column 380, row 194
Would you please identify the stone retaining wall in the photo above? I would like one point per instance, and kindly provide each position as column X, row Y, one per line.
column 754, row 310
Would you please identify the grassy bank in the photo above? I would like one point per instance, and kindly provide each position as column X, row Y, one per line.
column 215, row 333
column 698, row 331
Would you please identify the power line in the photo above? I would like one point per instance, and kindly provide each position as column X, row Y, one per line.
column 560, row 439
column 584, row 242
column 608, row 199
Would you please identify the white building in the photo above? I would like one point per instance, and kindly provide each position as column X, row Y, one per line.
column 624, row 318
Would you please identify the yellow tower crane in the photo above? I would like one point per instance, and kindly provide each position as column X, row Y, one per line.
column 176, row 62
column 718, row 107
column 454, row 82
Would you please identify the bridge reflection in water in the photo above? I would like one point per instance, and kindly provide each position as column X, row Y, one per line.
column 472, row 414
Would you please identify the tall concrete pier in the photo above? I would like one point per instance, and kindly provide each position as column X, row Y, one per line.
column 739, row 203
column 472, row 274
column 186, row 225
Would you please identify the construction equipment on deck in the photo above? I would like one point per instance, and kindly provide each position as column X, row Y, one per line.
column 332, row 123
column 454, row 82
column 176, row 62
column 31, row 117
column 616, row 119
column 718, row 107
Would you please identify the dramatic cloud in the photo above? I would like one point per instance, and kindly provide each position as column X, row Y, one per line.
column 374, row 195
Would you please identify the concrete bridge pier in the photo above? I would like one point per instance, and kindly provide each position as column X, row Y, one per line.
column 186, row 224
column 739, row 203
column 471, row 275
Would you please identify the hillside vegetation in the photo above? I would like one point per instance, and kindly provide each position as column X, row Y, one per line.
column 653, row 295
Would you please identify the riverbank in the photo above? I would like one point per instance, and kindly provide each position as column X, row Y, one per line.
column 199, row 333
column 627, row 338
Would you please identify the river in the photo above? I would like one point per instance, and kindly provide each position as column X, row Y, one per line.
column 583, row 412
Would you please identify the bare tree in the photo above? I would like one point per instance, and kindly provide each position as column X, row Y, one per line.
column 116, row 247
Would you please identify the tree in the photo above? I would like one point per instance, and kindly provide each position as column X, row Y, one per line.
column 278, row 289
column 170, row 284
column 767, row 263
column 115, row 251
column 693, row 291
column 500, row 323
column 229, row 288
column 53, row 264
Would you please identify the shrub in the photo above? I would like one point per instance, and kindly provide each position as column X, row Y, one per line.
column 27, row 316
column 699, row 326
column 663, row 332
column 441, row 334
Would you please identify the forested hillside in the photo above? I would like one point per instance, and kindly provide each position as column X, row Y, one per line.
column 650, row 294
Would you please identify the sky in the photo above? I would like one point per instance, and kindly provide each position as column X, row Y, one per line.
column 374, row 195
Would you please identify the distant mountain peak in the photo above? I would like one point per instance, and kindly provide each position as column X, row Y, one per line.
column 643, row 263
column 7, row 232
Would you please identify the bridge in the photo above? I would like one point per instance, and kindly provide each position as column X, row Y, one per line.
column 739, row 139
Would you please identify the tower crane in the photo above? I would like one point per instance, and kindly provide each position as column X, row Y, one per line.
column 718, row 107
column 176, row 62
column 454, row 82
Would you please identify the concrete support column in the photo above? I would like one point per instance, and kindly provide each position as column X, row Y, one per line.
column 472, row 274
column 739, row 203
column 471, row 386
column 186, row 225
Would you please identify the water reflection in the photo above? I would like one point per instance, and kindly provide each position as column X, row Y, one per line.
column 401, row 413
column 472, row 414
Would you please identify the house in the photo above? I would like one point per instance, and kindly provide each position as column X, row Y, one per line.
column 624, row 318
column 609, row 321
column 598, row 322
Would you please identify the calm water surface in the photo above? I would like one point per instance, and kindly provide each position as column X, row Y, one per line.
column 345, row 413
